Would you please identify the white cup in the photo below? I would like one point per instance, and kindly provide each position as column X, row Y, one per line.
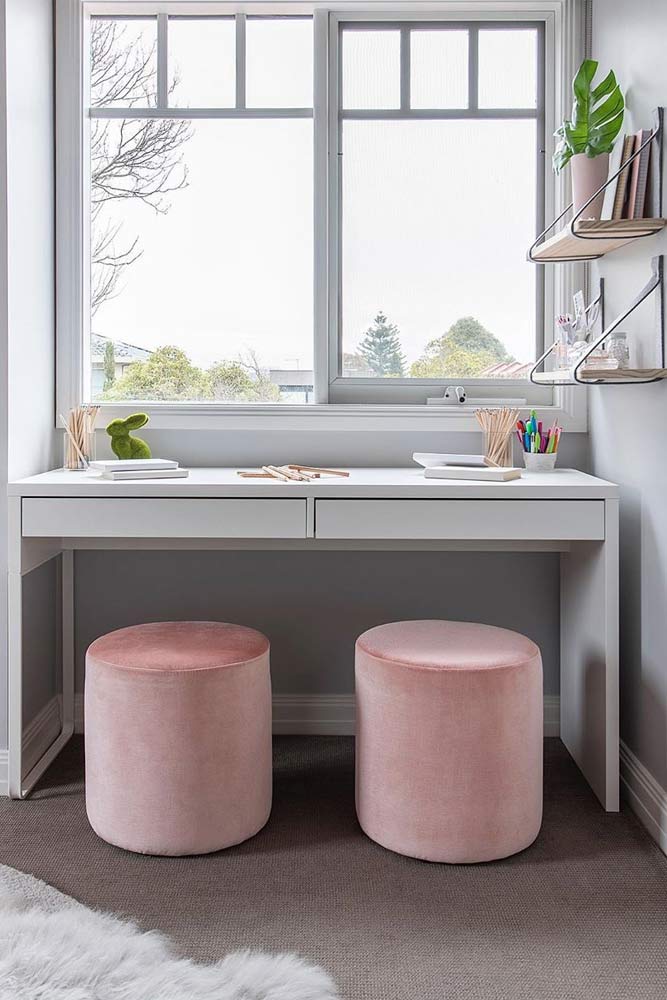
column 539, row 462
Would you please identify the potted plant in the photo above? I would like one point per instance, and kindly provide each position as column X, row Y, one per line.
column 588, row 137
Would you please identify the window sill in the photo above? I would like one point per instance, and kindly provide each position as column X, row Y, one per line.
column 569, row 409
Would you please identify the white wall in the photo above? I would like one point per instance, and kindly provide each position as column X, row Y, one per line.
column 26, row 278
column 628, row 424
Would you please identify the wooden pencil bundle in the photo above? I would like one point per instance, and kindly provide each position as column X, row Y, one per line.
column 498, row 426
column 79, row 436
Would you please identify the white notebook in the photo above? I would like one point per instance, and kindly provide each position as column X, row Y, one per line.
column 123, row 465
column 122, row 475
column 499, row 475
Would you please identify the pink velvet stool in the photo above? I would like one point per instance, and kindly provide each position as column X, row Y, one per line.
column 449, row 740
column 178, row 736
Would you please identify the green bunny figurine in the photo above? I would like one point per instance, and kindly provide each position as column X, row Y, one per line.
column 123, row 444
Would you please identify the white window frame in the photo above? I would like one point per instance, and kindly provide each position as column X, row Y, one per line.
column 337, row 403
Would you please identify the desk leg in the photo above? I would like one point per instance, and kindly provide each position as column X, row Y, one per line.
column 589, row 700
column 19, row 784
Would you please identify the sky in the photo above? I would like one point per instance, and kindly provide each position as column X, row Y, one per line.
column 437, row 215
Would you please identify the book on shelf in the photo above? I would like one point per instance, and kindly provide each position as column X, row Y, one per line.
column 638, row 176
column 620, row 195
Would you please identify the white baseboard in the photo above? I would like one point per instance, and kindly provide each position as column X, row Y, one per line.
column 645, row 796
column 38, row 735
column 551, row 715
column 293, row 714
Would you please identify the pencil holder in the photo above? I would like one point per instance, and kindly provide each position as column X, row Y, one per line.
column 539, row 462
column 79, row 439
column 498, row 448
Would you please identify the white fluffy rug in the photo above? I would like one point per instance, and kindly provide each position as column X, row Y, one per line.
column 53, row 948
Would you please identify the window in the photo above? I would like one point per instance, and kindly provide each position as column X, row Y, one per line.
column 201, row 195
column 245, row 241
column 439, row 135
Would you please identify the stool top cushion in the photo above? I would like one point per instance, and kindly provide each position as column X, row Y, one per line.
column 167, row 646
column 442, row 645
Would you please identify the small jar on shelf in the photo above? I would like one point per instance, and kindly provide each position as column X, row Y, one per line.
column 617, row 348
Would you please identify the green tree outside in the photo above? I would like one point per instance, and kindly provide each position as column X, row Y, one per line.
column 380, row 348
column 168, row 374
column 109, row 366
column 465, row 350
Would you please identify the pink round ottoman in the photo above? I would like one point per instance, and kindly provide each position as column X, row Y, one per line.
column 449, row 740
column 178, row 736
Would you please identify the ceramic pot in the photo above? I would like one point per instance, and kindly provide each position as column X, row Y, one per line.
column 588, row 174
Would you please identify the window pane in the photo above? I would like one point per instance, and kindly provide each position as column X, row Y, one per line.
column 437, row 216
column 439, row 69
column 279, row 62
column 211, row 297
column 371, row 69
column 508, row 69
column 202, row 62
column 123, row 62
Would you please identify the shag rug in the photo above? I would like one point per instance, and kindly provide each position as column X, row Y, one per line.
column 53, row 948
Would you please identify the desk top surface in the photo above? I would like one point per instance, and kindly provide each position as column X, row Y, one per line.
column 391, row 483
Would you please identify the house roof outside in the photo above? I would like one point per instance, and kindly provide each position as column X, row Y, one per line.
column 506, row 369
column 122, row 352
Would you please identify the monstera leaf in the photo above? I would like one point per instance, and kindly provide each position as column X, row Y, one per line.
column 597, row 116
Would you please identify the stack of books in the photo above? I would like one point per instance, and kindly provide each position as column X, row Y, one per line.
column 633, row 184
column 139, row 468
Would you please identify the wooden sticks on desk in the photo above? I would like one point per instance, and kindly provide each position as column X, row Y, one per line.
column 292, row 473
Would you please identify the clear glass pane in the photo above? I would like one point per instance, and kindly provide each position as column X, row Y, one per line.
column 202, row 62
column 508, row 68
column 279, row 62
column 437, row 216
column 371, row 69
column 211, row 297
column 439, row 69
column 123, row 62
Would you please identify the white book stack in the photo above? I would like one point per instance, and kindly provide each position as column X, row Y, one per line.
column 120, row 470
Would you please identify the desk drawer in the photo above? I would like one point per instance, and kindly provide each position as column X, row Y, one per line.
column 142, row 517
column 460, row 519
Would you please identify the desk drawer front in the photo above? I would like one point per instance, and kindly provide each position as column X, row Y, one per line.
column 460, row 519
column 142, row 517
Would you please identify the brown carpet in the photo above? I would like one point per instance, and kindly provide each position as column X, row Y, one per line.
column 581, row 915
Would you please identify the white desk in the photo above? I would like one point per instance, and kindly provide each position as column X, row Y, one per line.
column 566, row 511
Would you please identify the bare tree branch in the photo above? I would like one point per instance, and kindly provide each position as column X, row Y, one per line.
column 129, row 158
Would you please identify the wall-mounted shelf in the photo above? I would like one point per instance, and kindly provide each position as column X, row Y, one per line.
column 580, row 375
column 610, row 234
column 589, row 239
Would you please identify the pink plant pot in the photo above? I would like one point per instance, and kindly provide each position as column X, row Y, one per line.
column 588, row 174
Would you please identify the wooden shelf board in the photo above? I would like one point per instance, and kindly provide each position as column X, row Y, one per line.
column 611, row 234
column 603, row 375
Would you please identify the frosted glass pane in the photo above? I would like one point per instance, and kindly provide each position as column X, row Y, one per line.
column 123, row 62
column 436, row 219
column 202, row 62
column 439, row 69
column 371, row 69
column 279, row 63
column 508, row 69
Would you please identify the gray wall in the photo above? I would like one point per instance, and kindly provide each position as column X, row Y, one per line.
column 627, row 425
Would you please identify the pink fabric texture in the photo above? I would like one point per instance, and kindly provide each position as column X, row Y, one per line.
column 449, row 740
column 178, row 736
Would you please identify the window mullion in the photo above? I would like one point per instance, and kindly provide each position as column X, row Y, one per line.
column 162, row 61
column 405, row 68
column 240, row 61
column 473, row 67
